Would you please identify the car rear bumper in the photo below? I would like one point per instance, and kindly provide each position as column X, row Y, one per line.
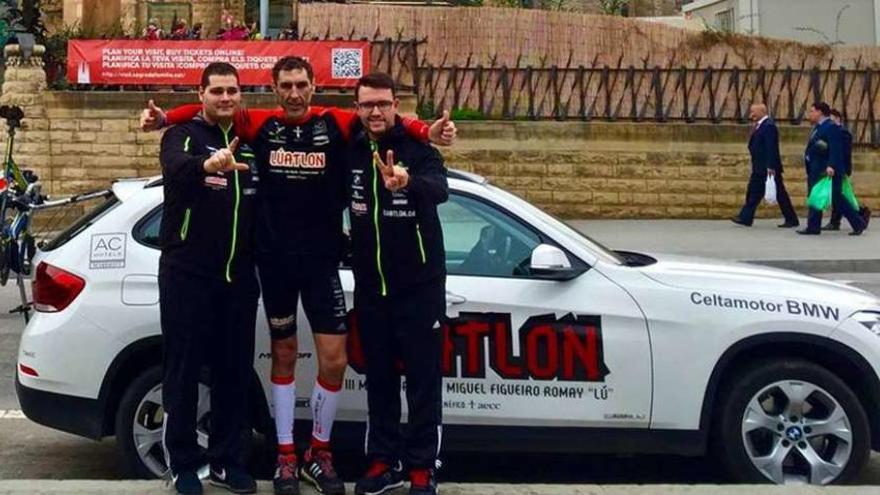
column 77, row 415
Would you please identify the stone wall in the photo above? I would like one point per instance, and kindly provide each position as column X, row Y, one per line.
column 637, row 170
column 80, row 141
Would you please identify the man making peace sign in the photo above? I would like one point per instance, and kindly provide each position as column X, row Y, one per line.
column 395, row 183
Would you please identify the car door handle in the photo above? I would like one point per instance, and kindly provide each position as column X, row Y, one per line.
column 453, row 298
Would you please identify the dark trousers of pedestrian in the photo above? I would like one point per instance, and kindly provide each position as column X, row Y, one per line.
column 206, row 324
column 755, row 194
column 403, row 328
column 837, row 215
column 814, row 220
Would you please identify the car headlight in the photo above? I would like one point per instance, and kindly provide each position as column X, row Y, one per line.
column 870, row 320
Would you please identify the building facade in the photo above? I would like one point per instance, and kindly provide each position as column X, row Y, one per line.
column 830, row 22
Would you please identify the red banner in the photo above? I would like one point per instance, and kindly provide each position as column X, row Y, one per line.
column 142, row 62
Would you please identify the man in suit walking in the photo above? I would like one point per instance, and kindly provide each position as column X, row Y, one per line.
column 864, row 212
column 826, row 156
column 766, row 161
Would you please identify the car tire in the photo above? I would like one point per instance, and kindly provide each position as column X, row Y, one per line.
column 759, row 425
column 136, row 406
column 131, row 400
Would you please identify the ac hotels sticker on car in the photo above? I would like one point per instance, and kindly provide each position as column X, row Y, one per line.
column 107, row 251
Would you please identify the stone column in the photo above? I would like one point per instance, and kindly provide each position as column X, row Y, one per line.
column 25, row 85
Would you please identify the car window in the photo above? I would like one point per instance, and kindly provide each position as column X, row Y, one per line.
column 482, row 240
column 146, row 231
column 82, row 223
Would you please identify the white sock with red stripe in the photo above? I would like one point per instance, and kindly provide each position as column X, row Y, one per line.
column 325, row 401
column 284, row 404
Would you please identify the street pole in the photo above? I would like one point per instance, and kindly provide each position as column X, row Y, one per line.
column 264, row 18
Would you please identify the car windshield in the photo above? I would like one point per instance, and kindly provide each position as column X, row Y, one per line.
column 598, row 248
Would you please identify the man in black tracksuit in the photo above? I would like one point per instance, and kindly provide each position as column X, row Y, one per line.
column 207, row 285
column 395, row 184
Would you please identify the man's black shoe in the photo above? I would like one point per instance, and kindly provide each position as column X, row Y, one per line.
column 808, row 232
column 422, row 482
column 789, row 225
column 317, row 469
column 233, row 478
column 857, row 232
column 380, row 478
column 187, row 483
column 740, row 221
column 285, row 481
column 831, row 226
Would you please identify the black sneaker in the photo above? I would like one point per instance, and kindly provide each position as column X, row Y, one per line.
column 380, row 478
column 187, row 483
column 233, row 478
column 422, row 482
column 317, row 469
column 286, row 481
column 831, row 226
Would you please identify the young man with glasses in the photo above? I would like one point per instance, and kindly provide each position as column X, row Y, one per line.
column 395, row 183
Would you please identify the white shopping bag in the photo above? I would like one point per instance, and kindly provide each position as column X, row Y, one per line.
column 770, row 190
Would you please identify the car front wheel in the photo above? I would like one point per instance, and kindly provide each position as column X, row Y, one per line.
column 791, row 421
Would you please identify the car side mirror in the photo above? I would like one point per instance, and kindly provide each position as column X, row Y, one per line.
column 551, row 263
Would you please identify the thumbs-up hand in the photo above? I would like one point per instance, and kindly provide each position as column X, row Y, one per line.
column 443, row 131
column 152, row 117
column 223, row 160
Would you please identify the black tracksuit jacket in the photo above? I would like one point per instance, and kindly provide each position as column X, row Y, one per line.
column 397, row 238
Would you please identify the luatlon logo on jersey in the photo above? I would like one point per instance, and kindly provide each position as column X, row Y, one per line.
column 297, row 159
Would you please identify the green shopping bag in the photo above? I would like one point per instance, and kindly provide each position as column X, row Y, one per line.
column 820, row 195
column 849, row 194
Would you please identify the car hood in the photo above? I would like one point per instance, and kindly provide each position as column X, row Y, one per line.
column 737, row 277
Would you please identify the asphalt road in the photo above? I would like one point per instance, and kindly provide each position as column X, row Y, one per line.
column 30, row 451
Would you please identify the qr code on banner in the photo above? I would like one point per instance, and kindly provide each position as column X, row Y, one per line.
column 347, row 63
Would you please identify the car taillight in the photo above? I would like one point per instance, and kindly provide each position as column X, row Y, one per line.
column 54, row 289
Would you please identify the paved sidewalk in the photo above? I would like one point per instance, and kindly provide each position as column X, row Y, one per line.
column 158, row 488
column 762, row 243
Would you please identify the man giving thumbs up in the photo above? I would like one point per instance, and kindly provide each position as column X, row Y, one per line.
column 394, row 185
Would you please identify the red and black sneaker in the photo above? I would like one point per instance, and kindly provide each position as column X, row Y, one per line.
column 422, row 482
column 318, row 470
column 380, row 478
column 286, row 481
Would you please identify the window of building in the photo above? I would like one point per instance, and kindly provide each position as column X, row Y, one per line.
column 724, row 20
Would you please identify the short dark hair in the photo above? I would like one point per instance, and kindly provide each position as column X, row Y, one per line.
column 836, row 113
column 376, row 80
column 292, row 63
column 217, row 69
column 822, row 107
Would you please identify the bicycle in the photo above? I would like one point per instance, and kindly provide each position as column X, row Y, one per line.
column 21, row 191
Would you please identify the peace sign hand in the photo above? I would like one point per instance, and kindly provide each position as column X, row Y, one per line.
column 395, row 177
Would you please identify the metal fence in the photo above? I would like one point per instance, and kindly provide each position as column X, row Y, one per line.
column 683, row 94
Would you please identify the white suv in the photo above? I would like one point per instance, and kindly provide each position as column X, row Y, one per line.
column 555, row 343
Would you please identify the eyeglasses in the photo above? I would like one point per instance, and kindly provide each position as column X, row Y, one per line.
column 368, row 106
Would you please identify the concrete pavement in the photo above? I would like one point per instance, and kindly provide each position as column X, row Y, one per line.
column 159, row 488
column 761, row 243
